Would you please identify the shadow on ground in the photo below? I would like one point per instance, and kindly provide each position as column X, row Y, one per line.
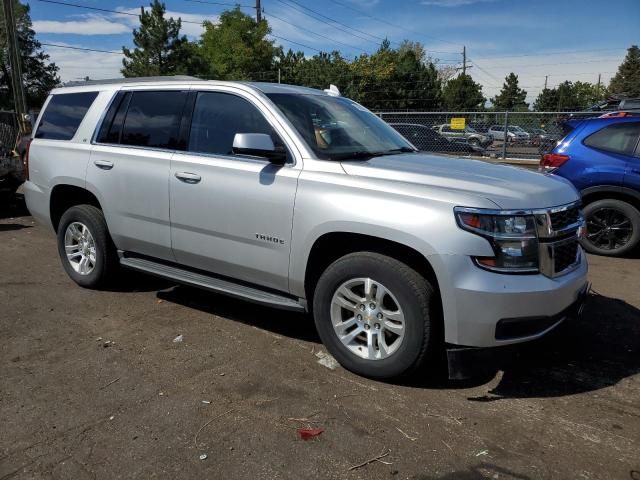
column 13, row 206
column 586, row 354
column 281, row 322
column 595, row 351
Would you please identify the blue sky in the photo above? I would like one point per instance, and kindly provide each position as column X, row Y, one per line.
column 565, row 39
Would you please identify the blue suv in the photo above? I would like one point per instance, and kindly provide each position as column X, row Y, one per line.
column 601, row 157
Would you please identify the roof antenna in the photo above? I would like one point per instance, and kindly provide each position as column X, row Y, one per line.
column 332, row 90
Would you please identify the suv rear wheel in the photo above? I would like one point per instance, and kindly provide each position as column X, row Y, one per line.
column 85, row 247
column 373, row 313
column 613, row 227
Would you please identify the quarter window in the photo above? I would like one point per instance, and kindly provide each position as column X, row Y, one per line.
column 63, row 115
column 152, row 119
column 217, row 117
column 619, row 138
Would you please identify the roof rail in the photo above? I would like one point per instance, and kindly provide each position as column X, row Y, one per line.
column 169, row 78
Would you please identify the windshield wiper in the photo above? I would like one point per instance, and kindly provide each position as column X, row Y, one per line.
column 364, row 154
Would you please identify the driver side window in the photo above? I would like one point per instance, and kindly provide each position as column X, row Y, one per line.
column 217, row 117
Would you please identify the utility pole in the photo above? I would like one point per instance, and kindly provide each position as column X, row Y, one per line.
column 464, row 60
column 546, row 77
column 15, row 62
column 598, row 87
column 258, row 12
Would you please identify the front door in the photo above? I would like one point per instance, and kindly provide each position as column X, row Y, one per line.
column 230, row 214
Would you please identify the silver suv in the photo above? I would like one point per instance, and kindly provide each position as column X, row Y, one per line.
column 305, row 200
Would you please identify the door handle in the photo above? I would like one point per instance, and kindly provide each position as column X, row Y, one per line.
column 187, row 177
column 103, row 164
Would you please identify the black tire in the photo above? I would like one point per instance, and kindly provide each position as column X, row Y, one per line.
column 106, row 257
column 415, row 296
column 611, row 213
column 474, row 142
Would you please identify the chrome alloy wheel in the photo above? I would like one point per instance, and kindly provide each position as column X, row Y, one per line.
column 80, row 248
column 367, row 318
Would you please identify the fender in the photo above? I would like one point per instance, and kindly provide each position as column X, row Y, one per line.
column 611, row 189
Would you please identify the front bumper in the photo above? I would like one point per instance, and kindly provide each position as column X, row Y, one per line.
column 487, row 309
column 468, row 362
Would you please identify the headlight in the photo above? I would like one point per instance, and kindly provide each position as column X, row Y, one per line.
column 511, row 235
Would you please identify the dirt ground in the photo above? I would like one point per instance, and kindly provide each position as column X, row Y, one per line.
column 244, row 378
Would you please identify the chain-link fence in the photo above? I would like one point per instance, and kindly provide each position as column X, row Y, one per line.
column 505, row 135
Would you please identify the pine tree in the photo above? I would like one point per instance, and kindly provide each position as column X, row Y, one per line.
column 160, row 49
column 39, row 74
column 511, row 97
column 627, row 80
column 462, row 93
column 236, row 47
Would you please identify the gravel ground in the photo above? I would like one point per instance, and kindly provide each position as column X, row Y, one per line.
column 94, row 386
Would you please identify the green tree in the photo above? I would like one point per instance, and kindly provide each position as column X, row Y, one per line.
column 39, row 74
column 462, row 93
column 236, row 48
column 511, row 97
column 160, row 49
column 569, row 96
column 627, row 80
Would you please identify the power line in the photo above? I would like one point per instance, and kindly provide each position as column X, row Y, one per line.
column 548, row 54
column 314, row 33
column 221, row 3
column 295, row 43
column 404, row 28
column 293, row 4
column 81, row 48
column 104, row 9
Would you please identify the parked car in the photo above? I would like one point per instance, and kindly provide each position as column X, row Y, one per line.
column 304, row 200
column 467, row 135
column 601, row 157
column 427, row 140
column 616, row 104
column 544, row 140
column 514, row 133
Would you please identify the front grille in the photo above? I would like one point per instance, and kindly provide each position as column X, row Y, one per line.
column 564, row 218
column 565, row 256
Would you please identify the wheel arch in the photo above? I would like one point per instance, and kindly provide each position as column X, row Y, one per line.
column 64, row 196
column 332, row 245
column 613, row 192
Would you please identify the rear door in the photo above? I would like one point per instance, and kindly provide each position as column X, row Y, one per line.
column 232, row 214
column 615, row 162
column 129, row 168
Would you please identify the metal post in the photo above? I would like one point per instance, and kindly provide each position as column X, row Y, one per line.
column 258, row 11
column 278, row 74
column 464, row 60
column 506, row 129
column 15, row 62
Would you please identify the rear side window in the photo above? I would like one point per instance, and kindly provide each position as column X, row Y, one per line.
column 63, row 115
column 217, row 117
column 153, row 119
column 619, row 138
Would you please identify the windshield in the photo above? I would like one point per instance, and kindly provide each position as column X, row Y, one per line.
column 471, row 130
column 337, row 128
column 515, row 128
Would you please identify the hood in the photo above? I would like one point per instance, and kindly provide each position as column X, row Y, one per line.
column 507, row 187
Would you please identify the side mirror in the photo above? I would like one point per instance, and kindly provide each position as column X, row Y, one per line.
column 258, row 145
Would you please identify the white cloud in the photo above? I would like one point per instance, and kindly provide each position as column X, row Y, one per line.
column 77, row 64
column 191, row 22
column 90, row 25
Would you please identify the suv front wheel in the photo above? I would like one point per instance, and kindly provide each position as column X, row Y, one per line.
column 613, row 227
column 85, row 246
column 375, row 315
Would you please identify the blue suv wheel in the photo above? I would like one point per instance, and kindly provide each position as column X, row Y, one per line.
column 613, row 227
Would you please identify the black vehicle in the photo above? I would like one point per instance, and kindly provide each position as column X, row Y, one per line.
column 428, row 140
column 616, row 104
